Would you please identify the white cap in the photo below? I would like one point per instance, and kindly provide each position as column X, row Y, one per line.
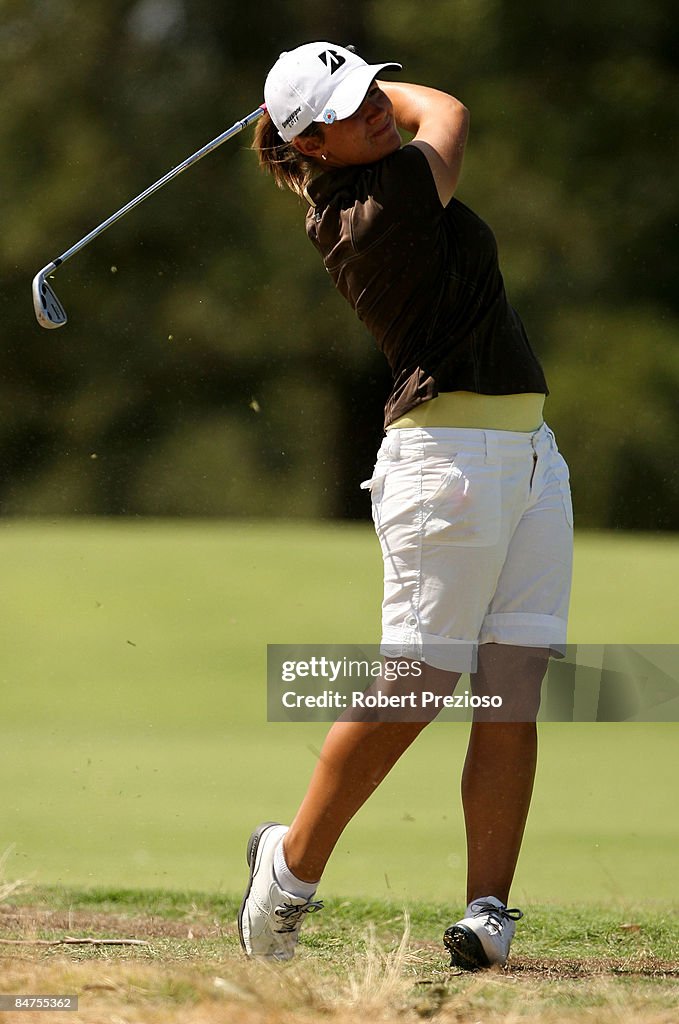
column 316, row 82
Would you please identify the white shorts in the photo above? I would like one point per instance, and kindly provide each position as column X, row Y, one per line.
column 476, row 529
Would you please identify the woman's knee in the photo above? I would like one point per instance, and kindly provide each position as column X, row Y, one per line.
column 514, row 675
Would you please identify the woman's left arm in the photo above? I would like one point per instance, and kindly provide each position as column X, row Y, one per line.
column 439, row 124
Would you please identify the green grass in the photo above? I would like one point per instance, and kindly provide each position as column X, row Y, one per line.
column 582, row 930
column 135, row 746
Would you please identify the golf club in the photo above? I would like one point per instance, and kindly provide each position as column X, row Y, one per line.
column 49, row 311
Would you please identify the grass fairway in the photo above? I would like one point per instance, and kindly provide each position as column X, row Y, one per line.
column 136, row 754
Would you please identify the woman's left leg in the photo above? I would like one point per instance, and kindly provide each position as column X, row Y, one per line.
column 497, row 780
column 497, row 784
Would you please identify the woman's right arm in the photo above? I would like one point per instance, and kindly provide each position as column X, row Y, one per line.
column 439, row 124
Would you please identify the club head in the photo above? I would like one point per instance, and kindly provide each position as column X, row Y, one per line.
column 48, row 310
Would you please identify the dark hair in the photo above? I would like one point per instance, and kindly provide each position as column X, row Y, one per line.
column 288, row 167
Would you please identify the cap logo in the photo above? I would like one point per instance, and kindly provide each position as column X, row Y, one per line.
column 329, row 115
column 332, row 60
column 292, row 118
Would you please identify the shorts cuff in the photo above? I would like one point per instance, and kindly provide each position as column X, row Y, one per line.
column 520, row 629
column 437, row 651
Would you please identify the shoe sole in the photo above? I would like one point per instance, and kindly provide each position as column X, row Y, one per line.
column 251, row 857
column 466, row 951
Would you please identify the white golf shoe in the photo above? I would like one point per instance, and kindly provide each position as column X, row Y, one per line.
column 483, row 937
column 270, row 918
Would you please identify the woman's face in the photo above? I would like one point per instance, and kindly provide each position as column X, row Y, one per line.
column 369, row 134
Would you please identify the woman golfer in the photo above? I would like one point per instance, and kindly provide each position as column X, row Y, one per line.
column 470, row 496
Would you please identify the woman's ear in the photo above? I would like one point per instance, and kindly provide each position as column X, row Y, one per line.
column 309, row 145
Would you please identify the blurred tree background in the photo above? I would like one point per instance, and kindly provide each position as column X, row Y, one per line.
column 208, row 367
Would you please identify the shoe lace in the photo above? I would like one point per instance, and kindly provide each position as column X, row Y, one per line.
column 290, row 914
column 497, row 915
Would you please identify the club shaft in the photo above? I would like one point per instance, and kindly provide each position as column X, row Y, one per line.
column 175, row 172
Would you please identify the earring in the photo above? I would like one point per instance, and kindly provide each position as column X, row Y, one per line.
column 324, row 156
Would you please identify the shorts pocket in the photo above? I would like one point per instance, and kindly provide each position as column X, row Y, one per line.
column 375, row 485
column 465, row 508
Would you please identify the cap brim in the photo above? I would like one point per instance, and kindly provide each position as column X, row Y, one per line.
column 349, row 94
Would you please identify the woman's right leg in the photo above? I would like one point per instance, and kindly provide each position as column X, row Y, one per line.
column 356, row 757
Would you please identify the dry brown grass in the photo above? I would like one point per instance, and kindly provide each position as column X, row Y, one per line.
column 120, row 991
column 192, row 973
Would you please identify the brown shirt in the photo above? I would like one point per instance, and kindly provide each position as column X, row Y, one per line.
column 424, row 279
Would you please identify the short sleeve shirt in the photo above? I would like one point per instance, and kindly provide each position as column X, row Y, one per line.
column 424, row 279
